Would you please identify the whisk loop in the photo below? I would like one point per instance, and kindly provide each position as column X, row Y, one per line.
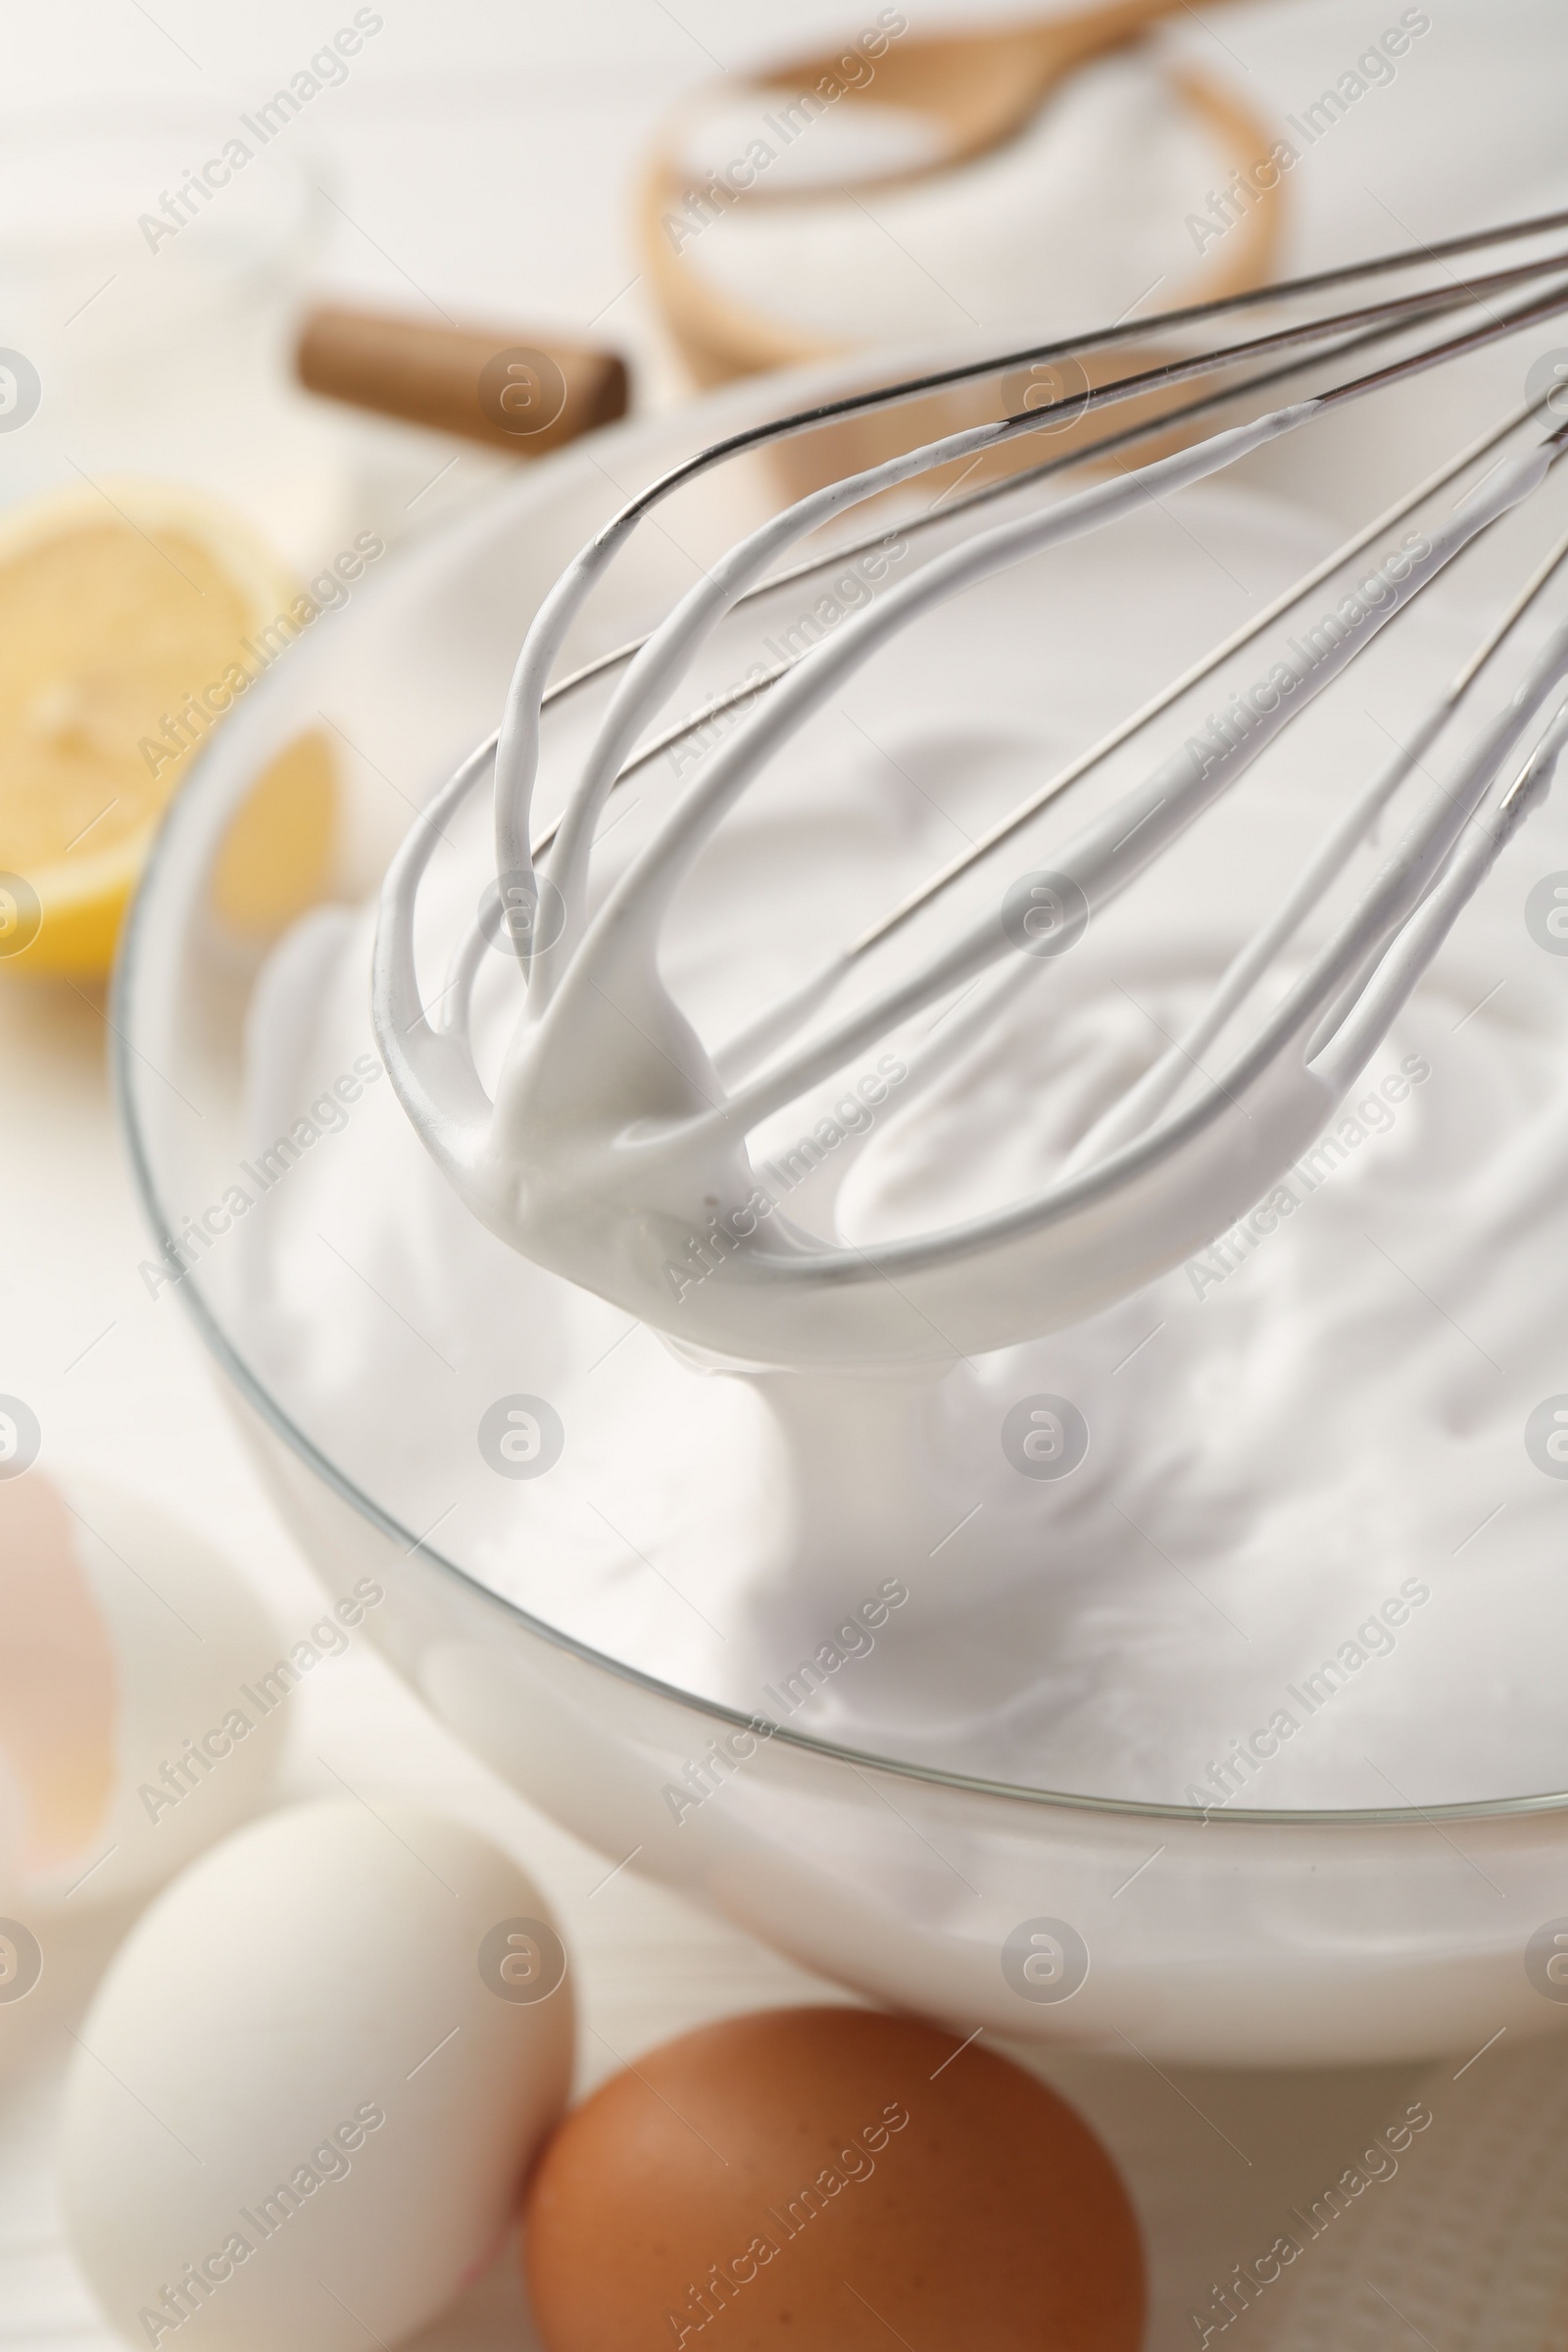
column 616, row 1149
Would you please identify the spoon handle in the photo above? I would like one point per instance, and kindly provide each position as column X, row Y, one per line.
column 496, row 385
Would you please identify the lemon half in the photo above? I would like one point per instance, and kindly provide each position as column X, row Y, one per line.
column 133, row 617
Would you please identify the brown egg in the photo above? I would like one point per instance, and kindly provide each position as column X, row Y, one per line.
column 834, row 2180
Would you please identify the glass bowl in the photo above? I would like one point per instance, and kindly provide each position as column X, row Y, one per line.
column 1221, row 1936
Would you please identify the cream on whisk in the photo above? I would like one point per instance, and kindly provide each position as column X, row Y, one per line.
column 619, row 1130
column 1169, row 1555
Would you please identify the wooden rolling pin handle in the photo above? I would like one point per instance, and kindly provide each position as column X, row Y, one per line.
column 487, row 383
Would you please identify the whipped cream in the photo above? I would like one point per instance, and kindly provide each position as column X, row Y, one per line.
column 1266, row 1532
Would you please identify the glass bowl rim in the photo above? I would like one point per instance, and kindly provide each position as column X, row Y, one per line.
column 799, row 386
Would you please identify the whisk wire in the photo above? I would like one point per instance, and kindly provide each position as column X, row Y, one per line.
column 1184, row 1150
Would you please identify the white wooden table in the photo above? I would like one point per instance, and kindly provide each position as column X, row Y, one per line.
column 524, row 124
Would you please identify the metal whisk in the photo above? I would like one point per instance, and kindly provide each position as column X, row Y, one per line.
column 619, row 1137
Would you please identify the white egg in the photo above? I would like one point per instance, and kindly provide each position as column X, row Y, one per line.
column 311, row 2084
column 137, row 1722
